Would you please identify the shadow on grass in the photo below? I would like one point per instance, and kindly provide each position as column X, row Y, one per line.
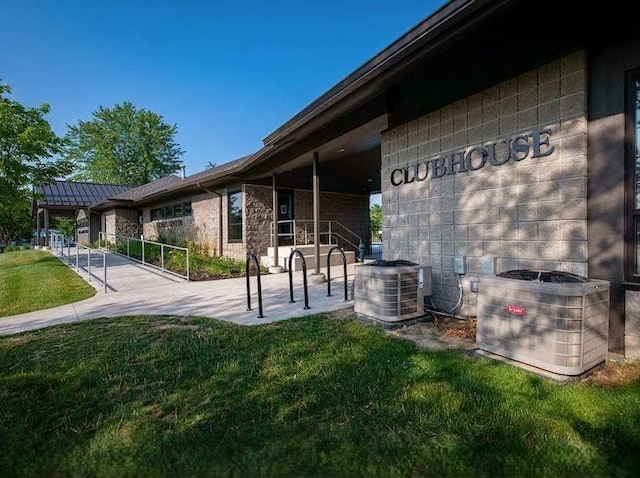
column 158, row 396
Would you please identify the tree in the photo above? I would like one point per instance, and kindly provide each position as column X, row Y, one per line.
column 375, row 220
column 16, row 221
column 65, row 225
column 28, row 149
column 123, row 145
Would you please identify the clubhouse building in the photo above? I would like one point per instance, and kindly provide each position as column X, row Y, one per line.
column 502, row 132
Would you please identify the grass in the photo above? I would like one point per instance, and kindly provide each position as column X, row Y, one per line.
column 175, row 396
column 34, row 280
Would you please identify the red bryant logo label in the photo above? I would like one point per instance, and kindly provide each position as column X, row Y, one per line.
column 516, row 309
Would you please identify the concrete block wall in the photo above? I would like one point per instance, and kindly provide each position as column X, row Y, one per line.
column 530, row 212
column 203, row 225
column 109, row 222
column 205, row 211
column 632, row 325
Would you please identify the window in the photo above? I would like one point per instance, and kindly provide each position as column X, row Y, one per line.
column 633, row 180
column 181, row 209
column 234, row 215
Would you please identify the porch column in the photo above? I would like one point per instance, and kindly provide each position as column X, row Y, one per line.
column 316, row 212
column 317, row 276
column 275, row 267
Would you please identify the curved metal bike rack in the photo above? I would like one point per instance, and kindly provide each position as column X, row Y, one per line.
column 252, row 257
column 344, row 263
column 304, row 278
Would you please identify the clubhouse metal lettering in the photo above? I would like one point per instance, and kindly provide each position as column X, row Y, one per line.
column 534, row 145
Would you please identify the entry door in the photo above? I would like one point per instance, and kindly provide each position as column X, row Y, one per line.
column 285, row 213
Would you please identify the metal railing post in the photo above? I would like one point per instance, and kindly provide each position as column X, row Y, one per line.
column 104, row 271
column 188, row 265
column 77, row 258
column 162, row 257
column 142, row 241
column 128, row 255
column 89, row 262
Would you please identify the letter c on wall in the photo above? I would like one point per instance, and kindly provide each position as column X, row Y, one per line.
column 393, row 175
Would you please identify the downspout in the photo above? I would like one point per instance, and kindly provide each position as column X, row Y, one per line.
column 219, row 213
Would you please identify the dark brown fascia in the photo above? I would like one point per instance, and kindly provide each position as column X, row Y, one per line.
column 110, row 203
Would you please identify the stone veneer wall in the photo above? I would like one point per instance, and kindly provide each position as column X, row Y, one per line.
column 257, row 218
column 123, row 222
column 526, row 214
column 350, row 210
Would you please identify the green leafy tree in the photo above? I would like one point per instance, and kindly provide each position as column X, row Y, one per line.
column 65, row 225
column 123, row 145
column 16, row 221
column 375, row 220
column 28, row 157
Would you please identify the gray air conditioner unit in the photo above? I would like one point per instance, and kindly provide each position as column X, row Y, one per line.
column 391, row 291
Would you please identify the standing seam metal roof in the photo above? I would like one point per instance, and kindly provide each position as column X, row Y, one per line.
column 76, row 194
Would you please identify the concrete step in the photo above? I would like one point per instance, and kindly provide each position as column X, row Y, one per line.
column 308, row 249
column 309, row 257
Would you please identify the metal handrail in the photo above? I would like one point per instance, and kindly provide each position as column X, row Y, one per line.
column 105, row 236
column 58, row 241
column 252, row 257
column 304, row 278
column 330, row 232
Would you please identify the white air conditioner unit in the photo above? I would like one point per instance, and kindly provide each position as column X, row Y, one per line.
column 391, row 291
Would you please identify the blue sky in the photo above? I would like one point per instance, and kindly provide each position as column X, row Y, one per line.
column 227, row 73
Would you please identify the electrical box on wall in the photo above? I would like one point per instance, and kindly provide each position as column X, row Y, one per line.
column 488, row 265
column 458, row 265
column 474, row 282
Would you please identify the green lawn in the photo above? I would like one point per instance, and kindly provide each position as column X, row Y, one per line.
column 33, row 280
column 157, row 396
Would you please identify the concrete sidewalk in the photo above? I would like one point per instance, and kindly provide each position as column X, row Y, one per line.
column 138, row 290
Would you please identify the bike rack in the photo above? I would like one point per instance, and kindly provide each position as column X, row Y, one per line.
column 344, row 263
column 253, row 257
column 304, row 278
